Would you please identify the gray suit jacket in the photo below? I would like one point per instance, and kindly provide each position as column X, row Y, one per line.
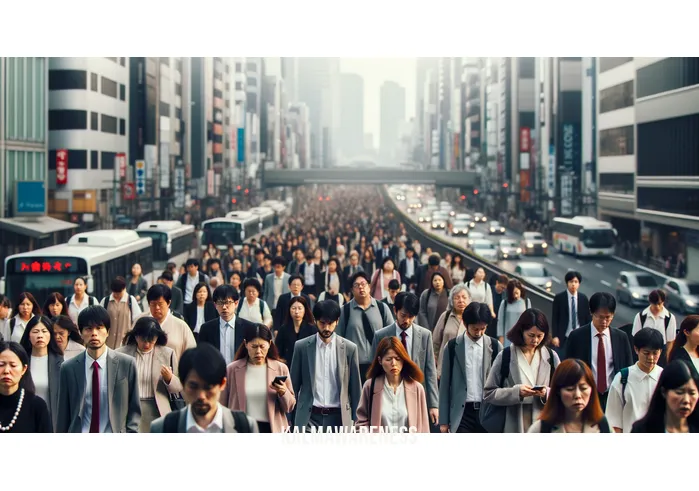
column 268, row 294
column 55, row 362
column 422, row 354
column 228, row 422
column 122, row 387
column 452, row 386
column 177, row 300
column 508, row 394
column 303, row 367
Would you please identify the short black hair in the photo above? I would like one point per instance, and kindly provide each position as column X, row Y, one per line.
column 253, row 282
column 212, row 261
column 571, row 275
column 433, row 260
column 648, row 338
column 385, row 242
column 191, row 262
column 279, row 260
column 476, row 313
column 327, row 310
column 118, row 284
column 226, row 292
column 259, row 251
column 602, row 300
column 407, row 301
column 167, row 276
column 159, row 291
column 393, row 285
column 147, row 328
column 656, row 296
column 357, row 275
column 93, row 316
column 206, row 361
column 297, row 277
column 309, row 256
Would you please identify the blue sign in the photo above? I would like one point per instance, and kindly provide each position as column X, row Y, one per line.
column 241, row 145
column 30, row 198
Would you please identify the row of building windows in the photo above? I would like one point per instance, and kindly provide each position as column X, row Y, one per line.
column 615, row 142
column 78, row 160
column 616, row 97
column 620, row 183
column 669, row 147
column 609, row 63
column 77, row 80
column 25, row 101
column 665, row 75
column 73, row 119
column 677, row 201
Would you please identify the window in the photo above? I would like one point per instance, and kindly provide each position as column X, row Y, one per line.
column 108, row 160
column 164, row 109
column 228, row 103
column 239, row 85
column 122, row 92
column 665, row 75
column 122, row 61
column 616, row 141
column 238, row 67
column 227, row 86
column 251, row 66
column 251, row 82
column 669, row 147
column 677, row 201
column 165, row 61
column 77, row 159
column 67, row 80
column 178, row 64
column 228, row 68
column 122, row 127
column 67, row 119
column 109, row 87
column 218, row 94
column 617, row 97
column 178, row 89
column 94, row 159
column 527, row 67
column 115, row 60
column 609, row 63
column 93, row 82
column 178, row 112
column 616, row 183
column 94, row 121
column 109, row 124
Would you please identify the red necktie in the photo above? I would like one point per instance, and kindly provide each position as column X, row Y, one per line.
column 601, row 365
column 95, row 419
column 403, row 339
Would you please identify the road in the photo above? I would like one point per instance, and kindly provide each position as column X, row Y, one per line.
column 599, row 274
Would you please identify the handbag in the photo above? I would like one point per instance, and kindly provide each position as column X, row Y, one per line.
column 176, row 400
column 492, row 417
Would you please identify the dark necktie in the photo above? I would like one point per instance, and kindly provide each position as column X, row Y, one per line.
column 404, row 340
column 601, row 365
column 573, row 314
column 95, row 419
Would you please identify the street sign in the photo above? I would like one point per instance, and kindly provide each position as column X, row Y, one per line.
column 121, row 160
column 129, row 191
column 140, row 177
column 62, row 167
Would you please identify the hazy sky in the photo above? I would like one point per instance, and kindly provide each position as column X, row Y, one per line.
column 375, row 71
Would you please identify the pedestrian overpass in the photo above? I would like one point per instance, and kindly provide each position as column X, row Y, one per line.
column 373, row 175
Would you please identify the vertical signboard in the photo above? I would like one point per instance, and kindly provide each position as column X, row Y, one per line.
column 210, row 182
column 140, row 177
column 165, row 166
column 179, row 184
column 240, row 142
column 61, row 167
column 121, row 161
column 570, row 165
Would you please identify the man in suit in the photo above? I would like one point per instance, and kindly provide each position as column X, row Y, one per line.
column 313, row 282
column 571, row 309
column 464, row 375
column 99, row 387
column 393, row 289
column 203, row 374
column 408, row 269
column 325, row 375
column 417, row 341
column 276, row 284
column 226, row 332
column 605, row 349
column 424, row 275
column 295, row 283
column 293, row 266
column 187, row 282
column 348, row 272
column 383, row 253
column 177, row 304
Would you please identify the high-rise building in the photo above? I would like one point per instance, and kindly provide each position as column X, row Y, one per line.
column 351, row 132
column 253, row 112
column 392, row 100
column 423, row 68
column 300, row 136
column 290, row 75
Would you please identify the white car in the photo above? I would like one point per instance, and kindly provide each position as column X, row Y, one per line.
column 533, row 244
column 439, row 220
column 495, row 228
column 459, row 228
column 484, row 248
column 535, row 273
column 509, row 249
column 424, row 218
column 474, row 236
column 480, row 217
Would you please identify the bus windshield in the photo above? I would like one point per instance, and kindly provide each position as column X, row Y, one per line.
column 600, row 238
column 221, row 234
column 39, row 285
column 159, row 243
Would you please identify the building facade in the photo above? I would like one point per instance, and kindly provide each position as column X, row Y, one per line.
column 392, row 101
column 351, row 132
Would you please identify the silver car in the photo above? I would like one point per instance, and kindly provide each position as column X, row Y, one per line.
column 474, row 236
column 536, row 274
column 439, row 220
column 495, row 228
column 533, row 244
column 682, row 295
column 459, row 228
column 424, row 218
column 633, row 287
column 484, row 248
column 466, row 218
column 509, row 249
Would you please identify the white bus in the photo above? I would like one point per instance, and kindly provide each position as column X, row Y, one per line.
column 172, row 241
column 266, row 218
column 584, row 236
column 234, row 228
column 281, row 210
column 98, row 256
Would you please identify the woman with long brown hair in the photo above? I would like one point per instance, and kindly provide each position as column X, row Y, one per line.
column 55, row 305
column 573, row 404
column 686, row 345
column 258, row 381
column 393, row 396
column 26, row 308
column 68, row 337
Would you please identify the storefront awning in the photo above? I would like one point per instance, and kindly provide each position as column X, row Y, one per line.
column 34, row 227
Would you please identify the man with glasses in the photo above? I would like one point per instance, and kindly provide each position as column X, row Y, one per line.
column 604, row 348
column 361, row 318
column 226, row 332
column 417, row 341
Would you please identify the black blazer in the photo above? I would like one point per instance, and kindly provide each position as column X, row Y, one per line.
column 282, row 309
column 182, row 281
column 404, row 266
column 681, row 354
column 210, row 332
column 190, row 313
column 580, row 346
column 177, row 304
column 287, row 337
column 391, row 307
column 561, row 313
column 319, row 277
column 392, row 253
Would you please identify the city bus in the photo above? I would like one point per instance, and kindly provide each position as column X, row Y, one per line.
column 266, row 218
column 234, row 228
column 281, row 210
column 172, row 242
column 98, row 256
column 584, row 236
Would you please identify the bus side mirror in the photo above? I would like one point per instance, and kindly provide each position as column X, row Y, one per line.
column 2, row 285
column 168, row 248
column 615, row 232
column 90, row 285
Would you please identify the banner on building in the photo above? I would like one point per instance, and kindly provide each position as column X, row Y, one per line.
column 524, row 140
column 179, row 184
column 524, row 183
column 164, row 166
column 61, row 167
column 129, row 191
column 240, row 142
column 551, row 174
column 121, row 164
column 210, row 182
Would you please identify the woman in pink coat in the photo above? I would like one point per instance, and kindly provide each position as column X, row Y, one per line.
column 393, row 399
column 258, row 382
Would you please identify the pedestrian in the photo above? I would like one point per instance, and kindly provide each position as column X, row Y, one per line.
column 201, row 310
column 225, row 333
column 27, row 307
column 450, row 324
column 123, row 311
column 511, row 309
column 299, row 324
column 55, row 305
column 571, row 309
column 5, row 315
column 68, row 337
column 137, row 285
column 433, row 301
column 657, row 317
column 177, row 304
column 481, row 290
column 252, row 308
column 79, row 300
column 686, row 346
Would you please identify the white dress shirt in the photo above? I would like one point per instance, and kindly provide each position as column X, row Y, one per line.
column 409, row 268
column 278, row 288
column 227, row 339
column 657, row 323
column 309, row 276
column 527, row 371
column 607, row 353
column 105, row 425
column 474, row 369
column 326, row 390
column 639, row 389
column 75, row 308
column 200, row 318
column 189, row 285
column 394, row 410
column 19, row 328
column 573, row 323
column 216, row 425
column 408, row 338
column 40, row 376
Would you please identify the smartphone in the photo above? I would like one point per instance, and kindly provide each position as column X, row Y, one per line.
column 538, row 387
column 279, row 380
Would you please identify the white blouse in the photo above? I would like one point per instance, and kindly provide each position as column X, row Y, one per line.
column 200, row 318
column 144, row 372
column 256, row 392
column 528, row 372
column 394, row 411
column 252, row 312
column 19, row 328
column 40, row 376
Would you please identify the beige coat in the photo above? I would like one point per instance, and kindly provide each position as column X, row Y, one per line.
column 444, row 332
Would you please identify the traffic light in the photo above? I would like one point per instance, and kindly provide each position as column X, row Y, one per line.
column 320, row 198
column 475, row 192
column 233, row 201
column 463, row 197
column 247, row 191
column 239, row 187
column 505, row 185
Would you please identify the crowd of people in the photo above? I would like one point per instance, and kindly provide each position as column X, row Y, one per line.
column 339, row 321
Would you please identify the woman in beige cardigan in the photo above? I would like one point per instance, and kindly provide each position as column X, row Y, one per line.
column 393, row 397
column 252, row 385
column 450, row 323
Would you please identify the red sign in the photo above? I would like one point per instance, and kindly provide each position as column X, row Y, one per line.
column 61, row 167
column 121, row 161
column 524, row 195
column 129, row 191
column 524, row 140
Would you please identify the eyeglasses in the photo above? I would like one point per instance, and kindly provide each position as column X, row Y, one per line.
column 361, row 285
column 227, row 303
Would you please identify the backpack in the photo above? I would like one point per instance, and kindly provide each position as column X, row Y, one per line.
column 546, row 427
column 451, row 346
column 487, row 286
column 346, row 311
column 624, row 381
column 667, row 321
column 242, row 425
column 90, row 300
column 262, row 307
column 505, row 302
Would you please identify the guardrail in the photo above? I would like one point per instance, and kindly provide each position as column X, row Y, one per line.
column 540, row 299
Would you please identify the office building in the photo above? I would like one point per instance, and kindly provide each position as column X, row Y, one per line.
column 351, row 132
column 392, row 101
